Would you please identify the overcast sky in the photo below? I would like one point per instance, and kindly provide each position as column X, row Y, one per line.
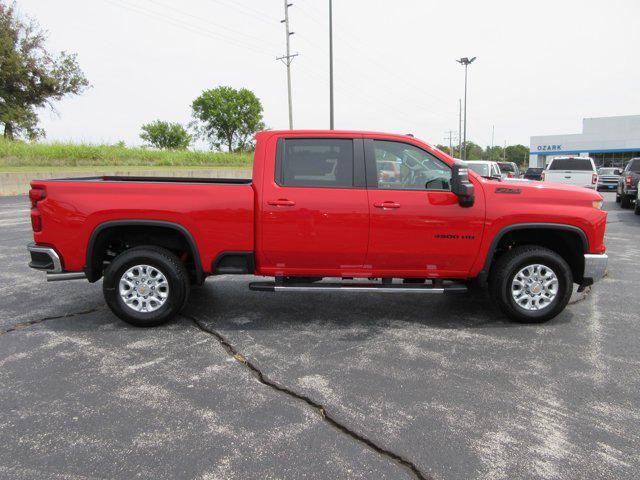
column 542, row 66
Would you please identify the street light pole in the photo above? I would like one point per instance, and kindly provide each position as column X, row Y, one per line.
column 466, row 62
column 330, row 64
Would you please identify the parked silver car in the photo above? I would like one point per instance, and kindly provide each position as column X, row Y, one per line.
column 608, row 178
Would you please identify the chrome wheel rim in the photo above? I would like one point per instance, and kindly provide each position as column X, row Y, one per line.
column 534, row 287
column 144, row 288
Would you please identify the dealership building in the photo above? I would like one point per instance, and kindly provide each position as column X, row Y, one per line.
column 610, row 141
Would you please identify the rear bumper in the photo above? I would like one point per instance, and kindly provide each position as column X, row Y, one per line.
column 44, row 258
column 595, row 267
column 48, row 260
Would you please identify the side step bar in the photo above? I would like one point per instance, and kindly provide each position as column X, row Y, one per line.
column 357, row 287
column 58, row 277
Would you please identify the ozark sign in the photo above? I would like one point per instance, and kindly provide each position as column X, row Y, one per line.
column 544, row 148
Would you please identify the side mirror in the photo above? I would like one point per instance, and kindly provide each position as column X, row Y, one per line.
column 461, row 186
column 617, row 171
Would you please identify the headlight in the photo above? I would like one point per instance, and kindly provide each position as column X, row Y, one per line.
column 597, row 204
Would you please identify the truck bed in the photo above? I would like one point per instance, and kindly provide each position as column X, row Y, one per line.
column 219, row 218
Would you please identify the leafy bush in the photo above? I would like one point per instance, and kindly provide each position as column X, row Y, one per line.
column 166, row 135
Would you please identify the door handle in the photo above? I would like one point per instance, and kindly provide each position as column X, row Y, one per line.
column 281, row 202
column 386, row 205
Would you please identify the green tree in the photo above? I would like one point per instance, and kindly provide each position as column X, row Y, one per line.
column 228, row 117
column 444, row 148
column 518, row 154
column 474, row 151
column 493, row 153
column 30, row 77
column 166, row 135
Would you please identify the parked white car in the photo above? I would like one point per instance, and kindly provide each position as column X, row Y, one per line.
column 579, row 171
column 485, row 168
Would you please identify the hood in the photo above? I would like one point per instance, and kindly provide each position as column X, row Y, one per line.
column 547, row 192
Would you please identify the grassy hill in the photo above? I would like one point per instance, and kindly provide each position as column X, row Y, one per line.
column 20, row 155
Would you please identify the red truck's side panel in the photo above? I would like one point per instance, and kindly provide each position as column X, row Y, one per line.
column 218, row 216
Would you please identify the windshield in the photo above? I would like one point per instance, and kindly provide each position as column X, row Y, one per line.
column 534, row 170
column 481, row 169
column 635, row 166
column 583, row 164
column 607, row 171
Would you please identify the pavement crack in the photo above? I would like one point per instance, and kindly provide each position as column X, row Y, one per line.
column 30, row 323
column 262, row 378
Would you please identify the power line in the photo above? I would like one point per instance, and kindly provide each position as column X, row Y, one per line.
column 208, row 22
column 252, row 12
column 342, row 35
column 187, row 26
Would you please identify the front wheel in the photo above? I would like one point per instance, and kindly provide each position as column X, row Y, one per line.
column 146, row 286
column 531, row 284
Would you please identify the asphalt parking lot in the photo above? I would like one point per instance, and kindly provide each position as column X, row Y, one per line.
column 288, row 386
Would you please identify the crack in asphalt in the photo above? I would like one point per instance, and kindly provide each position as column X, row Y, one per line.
column 262, row 378
column 30, row 323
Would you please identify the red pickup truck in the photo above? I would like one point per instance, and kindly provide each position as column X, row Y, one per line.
column 323, row 214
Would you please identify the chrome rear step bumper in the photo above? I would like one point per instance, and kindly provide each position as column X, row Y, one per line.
column 44, row 258
column 357, row 287
column 48, row 260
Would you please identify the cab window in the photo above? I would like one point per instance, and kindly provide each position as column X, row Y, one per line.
column 400, row 166
column 316, row 163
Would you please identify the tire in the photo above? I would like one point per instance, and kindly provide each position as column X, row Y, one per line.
column 514, row 261
column 617, row 197
column 625, row 201
column 636, row 210
column 151, row 259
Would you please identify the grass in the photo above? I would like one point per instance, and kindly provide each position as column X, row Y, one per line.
column 21, row 156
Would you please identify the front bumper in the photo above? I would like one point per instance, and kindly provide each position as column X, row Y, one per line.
column 595, row 267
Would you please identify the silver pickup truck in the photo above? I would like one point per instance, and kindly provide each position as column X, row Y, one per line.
column 578, row 171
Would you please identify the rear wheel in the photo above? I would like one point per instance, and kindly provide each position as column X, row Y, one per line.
column 146, row 286
column 617, row 198
column 636, row 210
column 625, row 201
column 531, row 284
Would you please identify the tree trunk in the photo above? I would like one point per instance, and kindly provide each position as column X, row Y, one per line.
column 8, row 130
column 230, row 143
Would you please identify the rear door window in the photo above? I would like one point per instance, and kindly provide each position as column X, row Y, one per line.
column 571, row 164
column 316, row 162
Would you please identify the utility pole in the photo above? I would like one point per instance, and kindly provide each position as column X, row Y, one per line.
column 450, row 138
column 504, row 152
column 288, row 58
column 460, row 127
column 330, row 64
column 466, row 62
column 493, row 131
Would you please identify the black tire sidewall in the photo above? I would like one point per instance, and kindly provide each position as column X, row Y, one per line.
column 625, row 201
column 165, row 262
column 540, row 256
